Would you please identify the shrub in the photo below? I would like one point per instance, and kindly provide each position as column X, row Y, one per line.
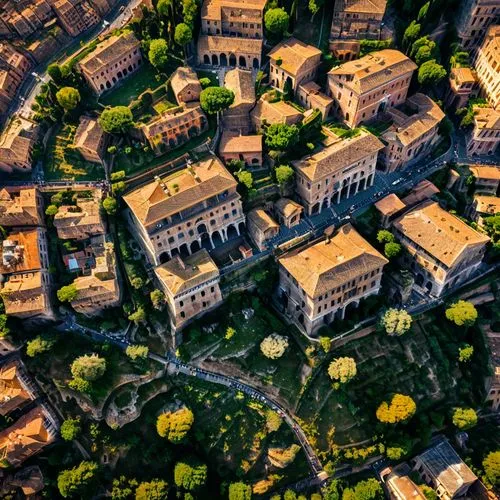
column 400, row 409
column 342, row 369
column 274, row 346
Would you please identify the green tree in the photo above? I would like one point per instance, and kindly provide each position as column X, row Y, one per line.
column 428, row 492
column 123, row 488
column 274, row 346
column 156, row 489
column 78, row 482
column 137, row 351
column 174, row 425
column 190, row 474
column 284, row 175
column 392, row 250
column 80, row 385
column 464, row 418
column 273, row 421
column 430, row 73
column 465, row 353
column 183, row 34
column 423, row 11
column 399, row 409
column 281, row 137
column 68, row 98
column 240, row 491
column 137, row 282
column 189, row 12
column 276, row 21
column 157, row 298
column 314, row 6
column 331, row 491
column 342, row 369
column 55, row 72
column 71, row 428
column 396, row 321
column 116, row 120
column 384, row 236
column 230, row 332
column 462, row 313
column 205, row 82
column 369, row 489
column 325, row 343
column 213, row 100
column 51, row 210
column 491, row 465
column 67, row 293
column 88, row 367
column 138, row 316
column 411, row 34
column 40, row 344
column 158, row 53
column 246, row 178
column 110, row 205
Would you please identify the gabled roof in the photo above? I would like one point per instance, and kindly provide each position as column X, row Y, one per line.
column 182, row 77
column 240, row 81
column 261, row 219
column 389, row 205
column 364, row 6
column 179, row 275
column 229, row 45
column 487, row 118
column 294, row 54
column 18, row 207
column 157, row 200
column 485, row 172
column 88, row 135
column 489, row 205
column 438, row 232
column 231, row 143
column 211, row 9
column 326, row 265
column 287, row 207
column 374, row 69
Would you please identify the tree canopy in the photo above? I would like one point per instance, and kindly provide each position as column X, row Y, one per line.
column 110, row 205
column 384, row 236
column 88, row 367
column 137, row 351
column 116, row 120
column 392, row 250
column 399, row 409
column 70, row 429
column 156, row 489
column 396, row 321
column 411, row 34
column 183, row 34
column 158, row 53
column 342, row 369
column 274, row 346
column 40, row 344
column 276, row 21
column 464, row 418
column 462, row 313
column 79, row 481
column 174, row 425
column 216, row 99
column 491, row 464
column 240, row 491
column 190, row 474
column 67, row 293
column 369, row 489
column 280, row 136
column 68, row 98
column 465, row 353
column 284, row 174
column 430, row 73
column 157, row 298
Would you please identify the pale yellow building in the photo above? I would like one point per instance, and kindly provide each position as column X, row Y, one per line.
column 485, row 135
column 288, row 212
column 193, row 208
column 21, row 207
column 487, row 66
column 261, row 227
column 17, row 142
column 90, row 140
column 191, row 287
column 247, row 148
column 487, row 178
column 368, row 86
column 112, row 60
column 237, row 117
column 185, row 85
column 292, row 63
column 463, row 86
column 472, row 21
column 229, row 51
column 441, row 250
column 75, row 17
column 338, row 171
column 484, row 206
column 311, row 96
column 16, row 388
column 318, row 283
column 413, row 133
column 267, row 113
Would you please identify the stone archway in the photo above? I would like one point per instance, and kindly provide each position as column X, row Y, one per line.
column 216, row 238
column 419, row 280
column 223, row 59
column 164, row 257
column 195, row 246
column 202, row 229
column 242, row 61
column 231, row 232
column 255, row 63
column 215, row 60
column 206, row 59
column 232, row 60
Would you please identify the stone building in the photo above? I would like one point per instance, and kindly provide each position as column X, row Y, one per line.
column 28, row 436
column 413, row 132
column 237, row 117
column 80, row 221
column 487, row 65
column 228, row 51
column 473, row 19
column 112, row 60
column 492, row 384
column 261, row 227
column 368, row 86
column 247, row 148
column 16, row 387
column 190, row 209
column 21, row 207
column 174, row 127
column 441, row 250
column 75, row 16
column 191, row 287
column 389, row 207
column 17, row 142
column 485, row 135
column 400, row 486
column 318, row 283
column 14, row 67
column 288, row 212
column 358, row 19
column 441, row 468
column 336, row 172
column 463, row 86
column 311, row 97
column 90, row 140
column 267, row 113
column 292, row 63
column 185, row 85
column 487, row 178
column 484, row 206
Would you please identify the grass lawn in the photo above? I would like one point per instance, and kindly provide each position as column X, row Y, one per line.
column 378, row 127
column 163, row 105
column 62, row 161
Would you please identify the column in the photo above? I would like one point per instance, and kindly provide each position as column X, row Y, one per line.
column 338, row 195
column 211, row 241
column 237, row 226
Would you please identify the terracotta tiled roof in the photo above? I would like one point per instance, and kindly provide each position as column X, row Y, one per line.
column 463, row 75
column 189, row 187
column 17, row 140
column 182, row 77
column 240, row 81
column 294, row 54
column 405, row 488
column 261, row 219
column 229, row 45
column 389, row 205
column 438, row 232
column 91, row 286
column 338, row 155
column 179, row 275
column 24, row 295
column 326, row 265
column 374, row 69
column 424, row 190
column 20, row 252
column 88, row 134
column 18, row 207
column 13, row 392
column 187, row 114
column 485, row 172
column 211, row 9
column 287, row 207
column 365, row 6
column 106, row 52
column 275, row 112
column 316, row 95
column 489, row 205
column 486, row 118
column 231, row 143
